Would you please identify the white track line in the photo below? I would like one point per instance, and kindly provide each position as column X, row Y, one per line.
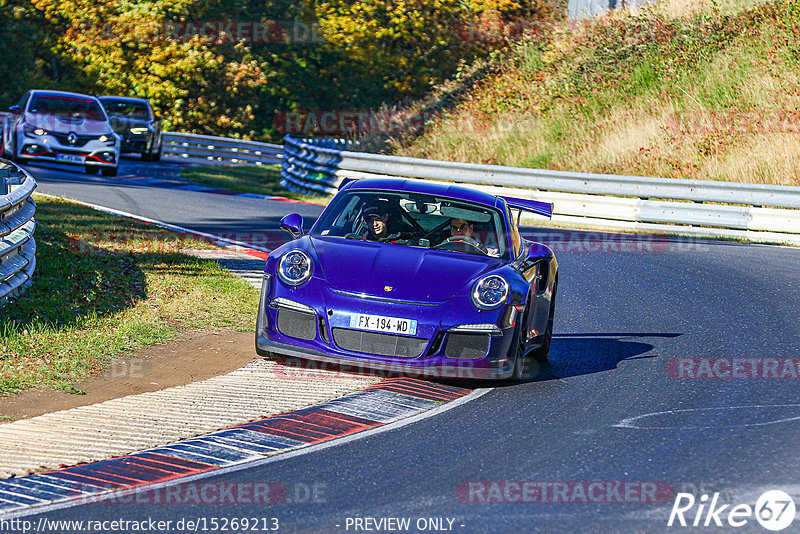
column 250, row 463
column 155, row 222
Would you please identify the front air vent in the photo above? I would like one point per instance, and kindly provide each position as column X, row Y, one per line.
column 467, row 346
column 379, row 344
column 297, row 324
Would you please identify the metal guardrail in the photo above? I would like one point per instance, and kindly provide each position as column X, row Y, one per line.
column 701, row 208
column 219, row 150
column 17, row 246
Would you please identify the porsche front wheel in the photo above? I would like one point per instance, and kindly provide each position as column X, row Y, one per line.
column 519, row 349
column 542, row 353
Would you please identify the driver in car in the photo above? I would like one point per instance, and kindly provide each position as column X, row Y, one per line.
column 459, row 228
column 380, row 226
column 462, row 230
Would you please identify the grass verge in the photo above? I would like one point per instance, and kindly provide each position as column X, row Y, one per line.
column 261, row 180
column 682, row 88
column 105, row 285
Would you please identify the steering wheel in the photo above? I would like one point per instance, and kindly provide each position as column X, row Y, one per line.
column 461, row 243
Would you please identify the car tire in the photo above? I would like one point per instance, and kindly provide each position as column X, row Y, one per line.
column 108, row 171
column 519, row 365
column 518, row 371
column 542, row 353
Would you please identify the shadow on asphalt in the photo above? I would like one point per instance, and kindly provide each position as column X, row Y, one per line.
column 578, row 354
column 570, row 355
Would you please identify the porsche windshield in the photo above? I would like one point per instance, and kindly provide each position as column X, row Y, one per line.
column 416, row 220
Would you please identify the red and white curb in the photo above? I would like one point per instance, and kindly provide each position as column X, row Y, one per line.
column 391, row 403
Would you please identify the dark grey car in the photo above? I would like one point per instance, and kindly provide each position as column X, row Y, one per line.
column 135, row 122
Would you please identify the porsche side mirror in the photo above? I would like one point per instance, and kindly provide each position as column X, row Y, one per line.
column 537, row 253
column 293, row 223
column 16, row 110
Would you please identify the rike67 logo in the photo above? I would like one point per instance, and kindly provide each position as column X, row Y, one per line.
column 774, row 510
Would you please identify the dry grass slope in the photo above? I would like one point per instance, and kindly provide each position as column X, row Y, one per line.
column 684, row 89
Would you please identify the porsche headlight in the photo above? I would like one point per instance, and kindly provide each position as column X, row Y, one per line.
column 490, row 292
column 139, row 130
column 295, row 267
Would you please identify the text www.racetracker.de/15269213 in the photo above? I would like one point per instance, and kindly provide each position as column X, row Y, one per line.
column 196, row 524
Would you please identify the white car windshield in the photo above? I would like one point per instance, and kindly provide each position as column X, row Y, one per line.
column 66, row 106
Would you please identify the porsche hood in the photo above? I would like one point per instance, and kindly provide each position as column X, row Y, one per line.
column 397, row 272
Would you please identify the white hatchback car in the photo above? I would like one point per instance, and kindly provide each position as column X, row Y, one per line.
column 61, row 127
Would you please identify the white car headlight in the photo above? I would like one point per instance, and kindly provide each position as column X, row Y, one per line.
column 295, row 267
column 31, row 131
column 490, row 292
column 139, row 130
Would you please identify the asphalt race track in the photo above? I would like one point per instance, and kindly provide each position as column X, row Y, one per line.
column 671, row 371
column 247, row 219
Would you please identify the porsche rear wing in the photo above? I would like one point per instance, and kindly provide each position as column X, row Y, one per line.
column 524, row 204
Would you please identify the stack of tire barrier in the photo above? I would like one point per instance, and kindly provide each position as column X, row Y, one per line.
column 17, row 246
column 309, row 165
column 760, row 213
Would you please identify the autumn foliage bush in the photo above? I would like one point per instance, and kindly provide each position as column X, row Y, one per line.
column 350, row 54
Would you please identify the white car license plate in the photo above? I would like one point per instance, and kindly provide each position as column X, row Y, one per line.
column 70, row 158
column 379, row 323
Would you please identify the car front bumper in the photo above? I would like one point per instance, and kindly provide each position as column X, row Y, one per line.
column 48, row 148
column 137, row 143
column 318, row 332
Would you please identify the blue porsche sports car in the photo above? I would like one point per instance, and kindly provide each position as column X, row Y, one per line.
column 423, row 278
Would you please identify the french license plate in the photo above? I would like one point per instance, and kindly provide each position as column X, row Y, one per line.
column 69, row 158
column 379, row 323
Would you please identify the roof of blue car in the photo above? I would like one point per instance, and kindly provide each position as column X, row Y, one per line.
column 431, row 188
